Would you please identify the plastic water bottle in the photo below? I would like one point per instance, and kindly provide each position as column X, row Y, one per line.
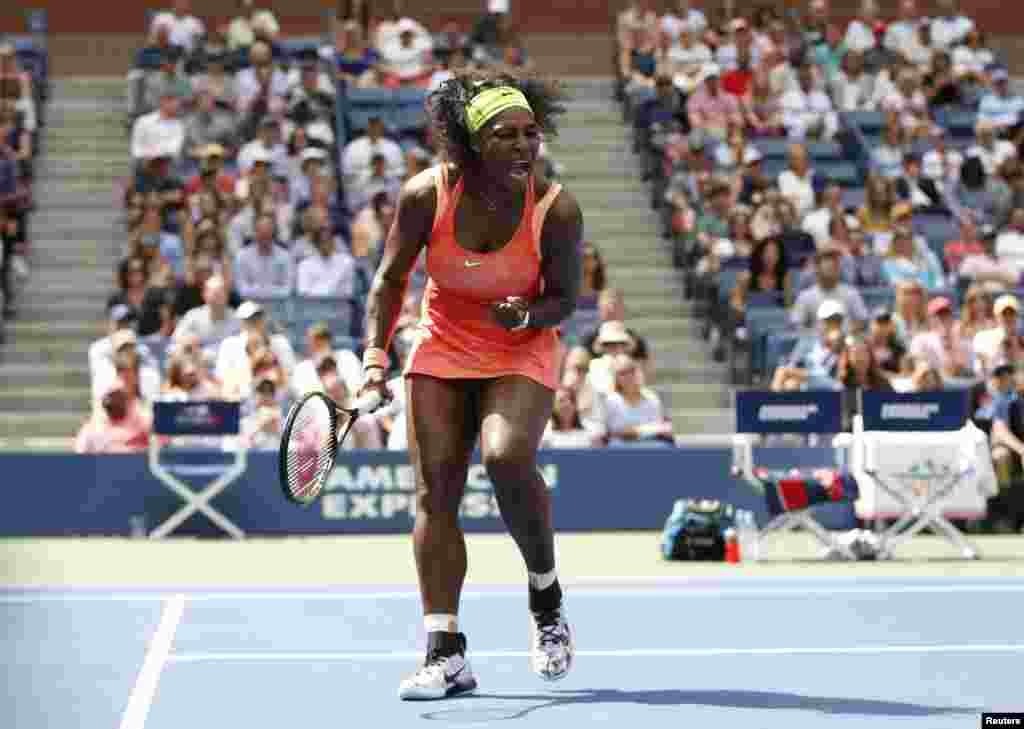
column 732, row 547
column 746, row 528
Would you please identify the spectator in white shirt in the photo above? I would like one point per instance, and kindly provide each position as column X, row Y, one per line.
column 999, row 108
column 807, row 111
column 796, row 182
column 727, row 56
column 684, row 17
column 860, row 33
column 357, row 156
column 332, row 272
column 266, row 146
column 971, row 60
column 900, row 35
column 184, row 29
column 634, row 412
column 920, row 50
column 143, row 371
column 909, row 102
column 941, row 163
column 122, row 318
column 406, row 62
column 950, row 26
column 320, row 345
column 250, row 25
column 377, row 180
column 688, row 59
column 213, row 322
column 160, row 133
column 232, row 354
column 389, row 32
column 853, row 86
column 300, row 186
column 1010, row 243
column 262, row 83
column 264, row 269
column 991, row 151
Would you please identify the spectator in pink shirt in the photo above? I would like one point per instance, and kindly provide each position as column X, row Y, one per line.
column 119, row 425
column 711, row 109
column 942, row 347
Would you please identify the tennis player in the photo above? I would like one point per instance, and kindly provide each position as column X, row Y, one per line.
column 504, row 265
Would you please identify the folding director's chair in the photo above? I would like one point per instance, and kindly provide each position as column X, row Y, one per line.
column 191, row 421
column 919, row 460
column 791, row 492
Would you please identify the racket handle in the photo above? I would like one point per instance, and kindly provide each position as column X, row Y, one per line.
column 368, row 402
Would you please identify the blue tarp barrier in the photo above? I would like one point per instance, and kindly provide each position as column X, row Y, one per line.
column 371, row 492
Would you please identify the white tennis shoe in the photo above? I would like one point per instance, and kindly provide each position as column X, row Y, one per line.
column 439, row 677
column 551, row 644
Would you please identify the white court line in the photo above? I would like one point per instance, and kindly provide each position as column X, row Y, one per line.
column 871, row 650
column 653, row 592
column 141, row 699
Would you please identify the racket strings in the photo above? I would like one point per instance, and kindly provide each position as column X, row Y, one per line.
column 311, row 448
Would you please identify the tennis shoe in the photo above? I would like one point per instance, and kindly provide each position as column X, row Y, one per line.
column 551, row 646
column 440, row 676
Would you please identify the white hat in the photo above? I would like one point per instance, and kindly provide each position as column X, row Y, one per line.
column 249, row 309
column 497, row 6
column 313, row 153
column 830, row 308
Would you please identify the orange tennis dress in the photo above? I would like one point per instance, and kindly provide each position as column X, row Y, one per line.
column 456, row 337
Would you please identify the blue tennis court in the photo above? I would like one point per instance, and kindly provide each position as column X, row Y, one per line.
column 765, row 652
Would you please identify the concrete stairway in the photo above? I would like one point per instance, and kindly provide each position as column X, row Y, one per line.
column 44, row 377
column 603, row 173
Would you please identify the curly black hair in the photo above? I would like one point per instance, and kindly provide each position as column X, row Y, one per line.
column 447, row 109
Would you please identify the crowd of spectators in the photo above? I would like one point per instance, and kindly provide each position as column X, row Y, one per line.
column 22, row 95
column 843, row 197
column 248, row 210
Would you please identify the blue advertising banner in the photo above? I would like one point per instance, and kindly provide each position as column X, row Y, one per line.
column 372, row 492
column 915, row 411
column 196, row 417
column 806, row 411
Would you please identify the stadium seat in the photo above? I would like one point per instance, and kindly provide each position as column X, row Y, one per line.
column 339, row 313
column 364, row 103
column 409, row 119
column 778, row 347
column 854, row 197
column 846, row 174
column 875, row 297
column 825, row 151
column 277, row 308
column 869, row 122
column 958, row 122
column 773, row 148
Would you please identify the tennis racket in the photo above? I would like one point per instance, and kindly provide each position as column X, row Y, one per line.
column 313, row 434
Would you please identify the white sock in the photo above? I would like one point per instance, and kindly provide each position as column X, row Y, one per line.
column 441, row 622
column 544, row 580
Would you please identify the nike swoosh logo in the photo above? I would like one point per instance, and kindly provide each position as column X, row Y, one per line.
column 473, row 264
column 450, row 677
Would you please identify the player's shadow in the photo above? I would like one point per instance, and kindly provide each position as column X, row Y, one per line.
column 500, row 706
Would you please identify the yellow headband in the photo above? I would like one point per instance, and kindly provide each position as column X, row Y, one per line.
column 487, row 104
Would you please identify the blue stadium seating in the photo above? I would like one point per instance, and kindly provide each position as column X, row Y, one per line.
column 869, row 122
column 778, row 347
